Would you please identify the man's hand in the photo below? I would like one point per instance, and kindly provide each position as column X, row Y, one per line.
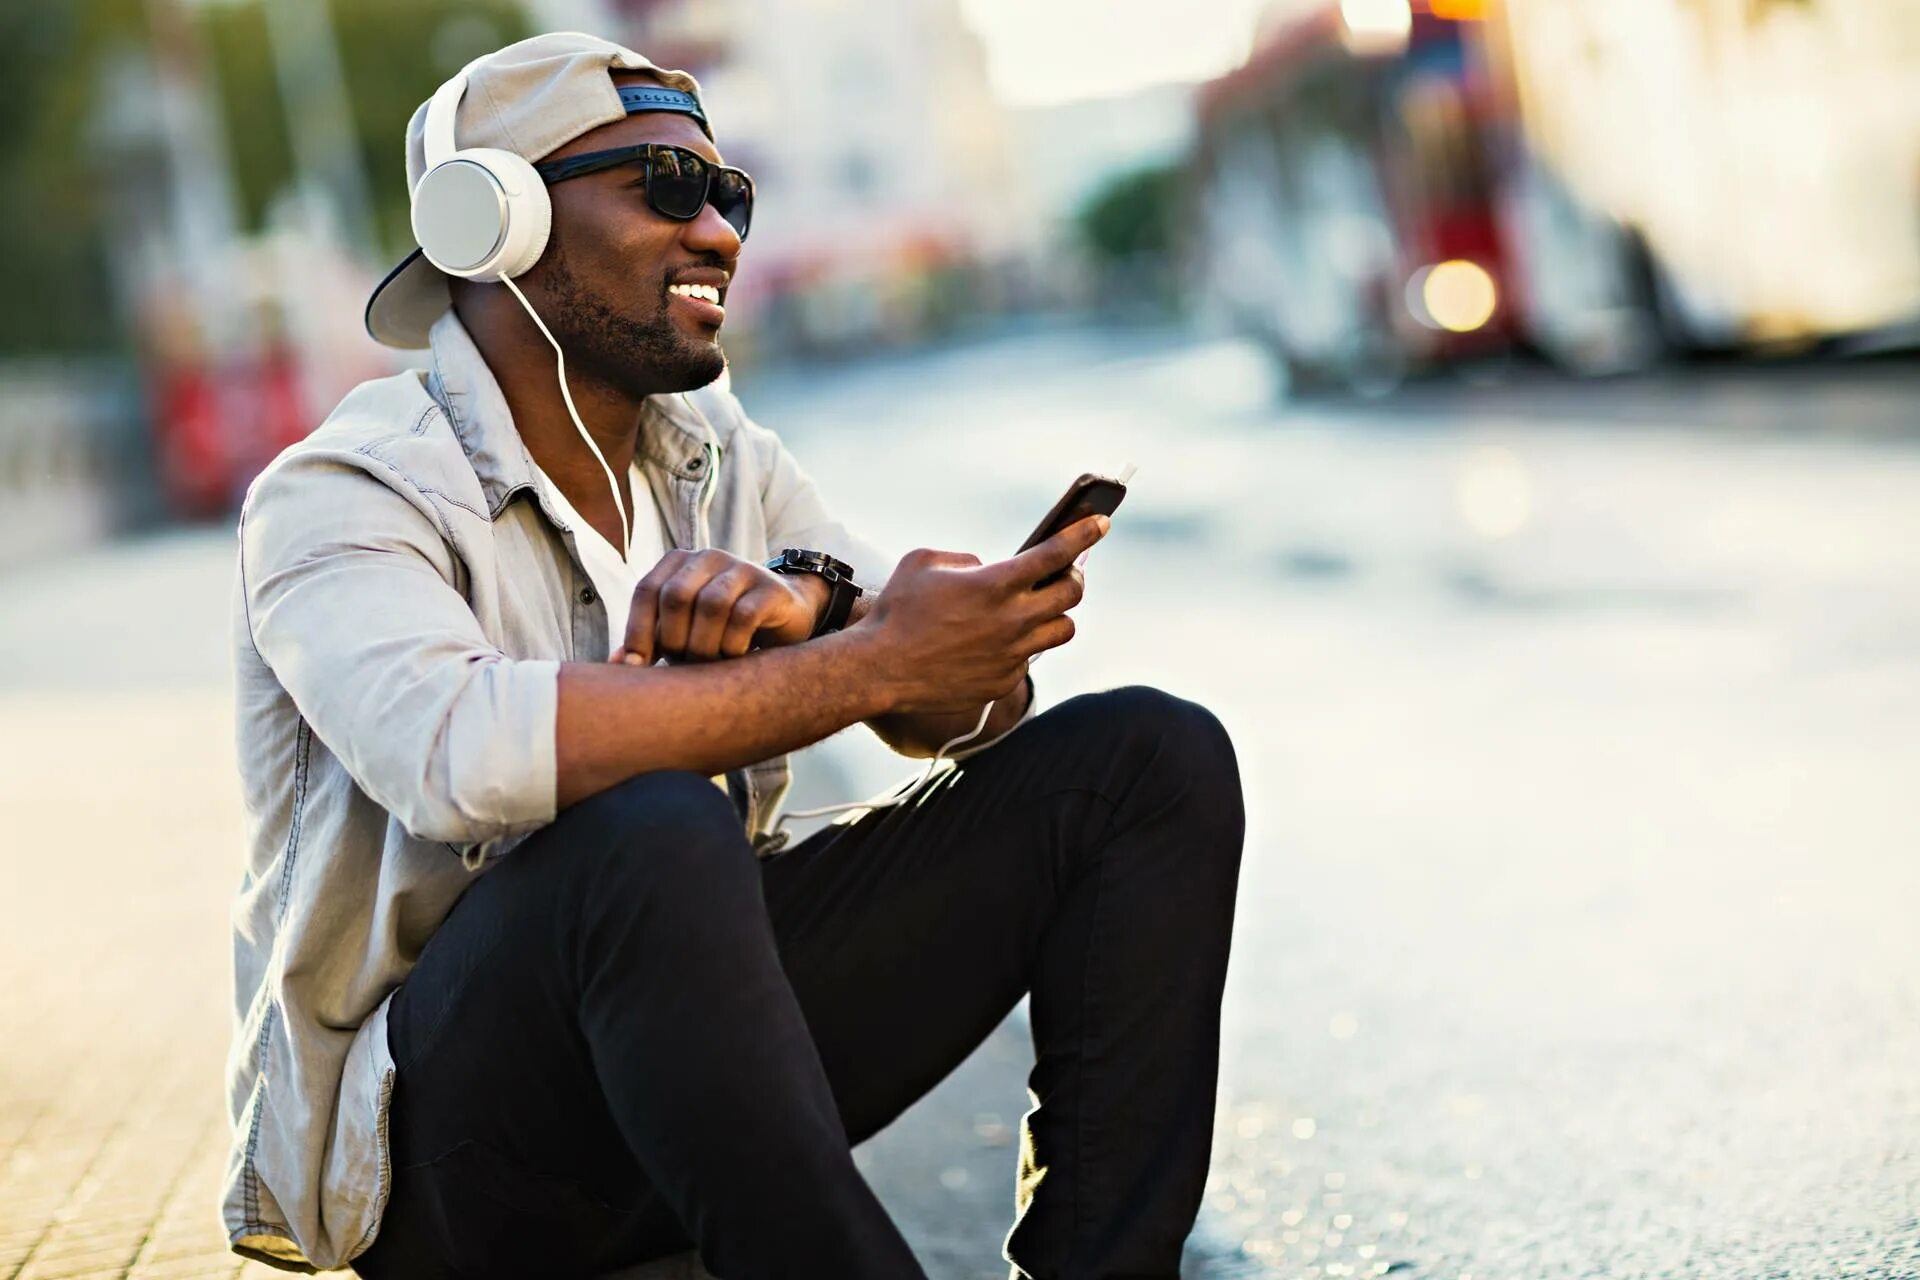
column 949, row 633
column 698, row 606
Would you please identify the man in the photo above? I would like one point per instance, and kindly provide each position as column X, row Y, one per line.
column 526, row 985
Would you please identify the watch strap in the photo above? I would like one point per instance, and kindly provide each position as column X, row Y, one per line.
column 841, row 594
column 842, row 591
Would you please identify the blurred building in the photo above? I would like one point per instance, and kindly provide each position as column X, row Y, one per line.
column 1388, row 184
column 1767, row 152
column 889, row 199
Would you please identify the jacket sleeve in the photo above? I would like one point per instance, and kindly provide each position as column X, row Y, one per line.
column 349, row 588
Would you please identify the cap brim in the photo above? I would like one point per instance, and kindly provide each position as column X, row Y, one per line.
column 405, row 305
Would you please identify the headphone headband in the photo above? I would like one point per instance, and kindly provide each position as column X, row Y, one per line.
column 437, row 142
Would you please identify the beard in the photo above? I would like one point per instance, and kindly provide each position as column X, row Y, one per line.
column 638, row 356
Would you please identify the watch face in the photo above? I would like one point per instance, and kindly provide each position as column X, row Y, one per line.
column 806, row 561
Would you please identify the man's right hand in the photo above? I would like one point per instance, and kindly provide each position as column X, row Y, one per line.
column 950, row 633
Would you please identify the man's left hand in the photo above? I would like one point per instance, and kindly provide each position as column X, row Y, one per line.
column 699, row 606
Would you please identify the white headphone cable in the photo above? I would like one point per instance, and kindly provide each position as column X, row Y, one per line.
column 560, row 367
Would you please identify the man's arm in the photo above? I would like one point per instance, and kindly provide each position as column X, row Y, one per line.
column 348, row 585
column 708, row 716
column 947, row 634
column 702, row 607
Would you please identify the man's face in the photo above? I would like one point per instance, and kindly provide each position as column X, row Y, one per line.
column 603, row 284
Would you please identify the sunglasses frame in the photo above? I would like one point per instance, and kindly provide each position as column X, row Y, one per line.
column 580, row 166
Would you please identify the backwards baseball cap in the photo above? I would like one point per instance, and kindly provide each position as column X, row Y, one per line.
column 531, row 97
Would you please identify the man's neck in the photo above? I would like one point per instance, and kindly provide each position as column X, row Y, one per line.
column 529, row 385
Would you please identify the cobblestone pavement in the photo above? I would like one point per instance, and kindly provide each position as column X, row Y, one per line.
column 1575, row 932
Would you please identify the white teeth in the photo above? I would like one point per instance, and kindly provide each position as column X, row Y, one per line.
column 704, row 292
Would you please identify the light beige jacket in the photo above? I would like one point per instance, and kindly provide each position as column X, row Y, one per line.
column 403, row 602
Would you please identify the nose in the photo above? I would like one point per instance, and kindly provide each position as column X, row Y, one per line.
column 711, row 233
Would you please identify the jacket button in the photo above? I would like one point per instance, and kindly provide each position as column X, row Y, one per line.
column 588, row 595
column 696, row 464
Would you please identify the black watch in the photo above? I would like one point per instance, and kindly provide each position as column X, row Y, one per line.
column 841, row 591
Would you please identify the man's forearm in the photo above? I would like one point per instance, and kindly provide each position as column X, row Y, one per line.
column 921, row 733
column 616, row 721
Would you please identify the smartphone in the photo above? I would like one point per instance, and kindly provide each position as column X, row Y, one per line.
column 1090, row 495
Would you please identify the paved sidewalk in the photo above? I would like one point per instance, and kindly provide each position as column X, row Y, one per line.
column 121, row 826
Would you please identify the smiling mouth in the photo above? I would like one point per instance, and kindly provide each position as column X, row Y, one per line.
column 698, row 292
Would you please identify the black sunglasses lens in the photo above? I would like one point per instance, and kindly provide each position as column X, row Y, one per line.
column 732, row 197
column 677, row 182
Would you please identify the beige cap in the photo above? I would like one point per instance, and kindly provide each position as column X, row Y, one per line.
column 531, row 97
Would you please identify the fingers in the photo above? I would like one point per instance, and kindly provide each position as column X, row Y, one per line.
column 713, row 609
column 1048, row 635
column 752, row 611
column 1053, row 555
column 668, row 602
column 698, row 606
column 1057, row 596
column 643, row 614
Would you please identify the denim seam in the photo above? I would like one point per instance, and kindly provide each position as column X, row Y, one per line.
column 443, row 397
column 372, row 450
column 383, row 1178
column 303, row 740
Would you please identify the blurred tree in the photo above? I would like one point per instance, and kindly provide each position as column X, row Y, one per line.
column 393, row 54
column 52, row 57
column 1126, row 226
column 1130, row 214
column 55, row 279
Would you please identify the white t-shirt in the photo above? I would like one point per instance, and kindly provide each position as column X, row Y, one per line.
column 613, row 577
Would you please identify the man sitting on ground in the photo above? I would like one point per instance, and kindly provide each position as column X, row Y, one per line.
column 526, row 983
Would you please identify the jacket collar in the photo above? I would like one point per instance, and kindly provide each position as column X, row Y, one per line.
column 673, row 432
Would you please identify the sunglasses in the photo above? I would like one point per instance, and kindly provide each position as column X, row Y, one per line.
column 679, row 182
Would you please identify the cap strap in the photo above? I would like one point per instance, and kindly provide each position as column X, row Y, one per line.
column 647, row 97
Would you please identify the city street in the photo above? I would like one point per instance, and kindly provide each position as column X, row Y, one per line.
column 1578, row 724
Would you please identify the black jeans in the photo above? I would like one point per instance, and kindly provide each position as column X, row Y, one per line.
column 631, row 1037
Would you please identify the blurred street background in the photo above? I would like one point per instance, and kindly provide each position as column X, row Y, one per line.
column 1526, row 397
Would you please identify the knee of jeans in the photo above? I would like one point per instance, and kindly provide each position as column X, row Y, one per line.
column 673, row 829
column 1184, row 743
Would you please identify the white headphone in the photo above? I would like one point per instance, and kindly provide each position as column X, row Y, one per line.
column 480, row 213
column 483, row 214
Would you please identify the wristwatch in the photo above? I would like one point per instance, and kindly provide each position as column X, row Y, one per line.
column 841, row 591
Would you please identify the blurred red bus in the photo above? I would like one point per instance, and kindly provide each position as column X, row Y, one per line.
column 1348, row 215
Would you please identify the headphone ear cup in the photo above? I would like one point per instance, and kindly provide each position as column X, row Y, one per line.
column 482, row 214
column 529, row 212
